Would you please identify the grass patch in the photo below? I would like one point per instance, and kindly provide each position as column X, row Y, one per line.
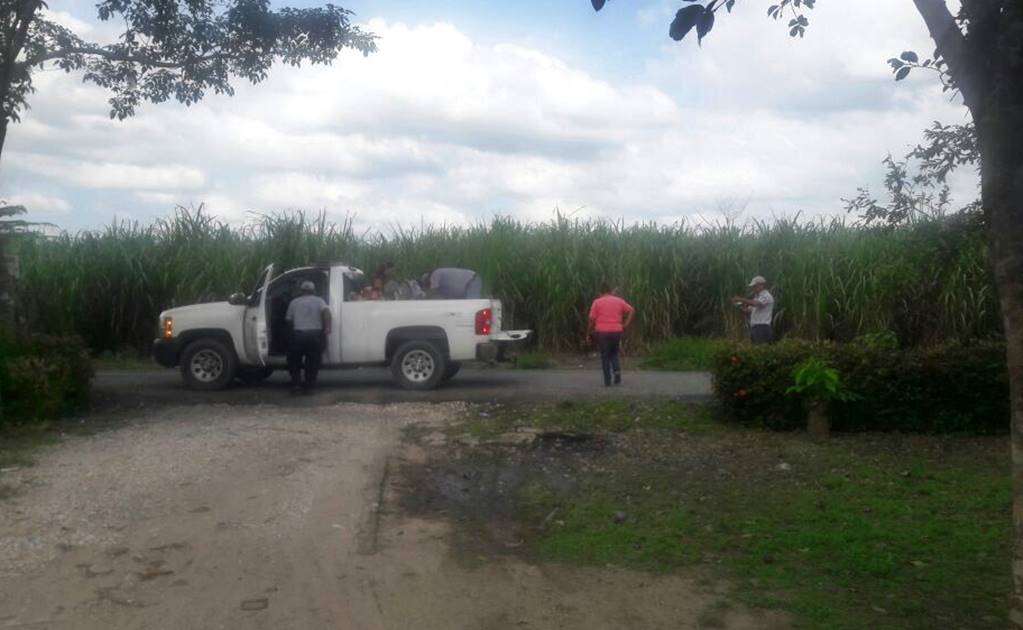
column 532, row 361
column 615, row 416
column 873, row 548
column 857, row 533
column 685, row 354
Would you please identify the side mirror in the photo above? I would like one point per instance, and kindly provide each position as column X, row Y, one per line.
column 237, row 299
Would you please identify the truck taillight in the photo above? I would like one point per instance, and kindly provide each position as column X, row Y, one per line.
column 168, row 328
column 484, row 321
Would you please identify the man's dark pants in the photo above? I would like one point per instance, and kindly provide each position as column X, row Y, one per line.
column 609, row 362
column 761, row 333
column 308, row 345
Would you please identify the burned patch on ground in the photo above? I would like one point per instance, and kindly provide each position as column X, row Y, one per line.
column 875, row 530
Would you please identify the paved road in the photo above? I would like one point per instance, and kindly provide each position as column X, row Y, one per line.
column 133, row 388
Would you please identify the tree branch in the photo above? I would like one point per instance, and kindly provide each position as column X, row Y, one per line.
column 951, row 45
column 113, row 56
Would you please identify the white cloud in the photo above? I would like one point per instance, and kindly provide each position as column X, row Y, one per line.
column 111, row 175
column 67, row 20
column 163, row 198
column 40, row 204
column 438, row 127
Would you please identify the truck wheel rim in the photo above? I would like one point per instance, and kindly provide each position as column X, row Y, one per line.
column 206, row 366
column 418, row 366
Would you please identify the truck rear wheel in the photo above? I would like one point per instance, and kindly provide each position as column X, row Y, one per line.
column 418, row 365
column 208, row 364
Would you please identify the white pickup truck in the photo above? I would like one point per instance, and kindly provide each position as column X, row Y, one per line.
column 424, row 341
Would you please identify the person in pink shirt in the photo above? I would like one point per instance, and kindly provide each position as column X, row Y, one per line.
column 610, row 315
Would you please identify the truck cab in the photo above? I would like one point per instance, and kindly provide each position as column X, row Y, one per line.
column 423, row 341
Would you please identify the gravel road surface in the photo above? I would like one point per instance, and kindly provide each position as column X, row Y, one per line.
column 231, row 516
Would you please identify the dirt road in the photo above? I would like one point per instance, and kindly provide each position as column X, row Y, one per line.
column 217, row 516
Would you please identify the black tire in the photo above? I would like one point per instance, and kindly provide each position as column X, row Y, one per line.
column 254, row 375
column 208, row 365
column 418, row 365
column 451, row 370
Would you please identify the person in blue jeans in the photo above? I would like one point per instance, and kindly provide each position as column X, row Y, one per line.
column 308, row 318
column 610, row 315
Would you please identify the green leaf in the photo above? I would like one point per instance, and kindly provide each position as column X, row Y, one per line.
column 910, row 56
column 684, row 21
column 902, row 73
column 703, row 25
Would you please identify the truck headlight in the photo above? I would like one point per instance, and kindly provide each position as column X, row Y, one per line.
column 168, row 327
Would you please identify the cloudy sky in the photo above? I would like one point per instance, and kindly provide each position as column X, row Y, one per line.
column 472, row 109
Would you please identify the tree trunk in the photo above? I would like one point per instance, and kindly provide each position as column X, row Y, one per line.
column 1006, row 213
column 987, row 67
column 818, row 424
column 3, row 132
column 1001, row 147
column 7, row 292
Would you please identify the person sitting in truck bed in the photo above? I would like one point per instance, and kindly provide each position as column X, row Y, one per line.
column 451, row 283
column 375, row 291
column 387, row 274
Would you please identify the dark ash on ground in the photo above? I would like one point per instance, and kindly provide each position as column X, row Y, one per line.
column 865, row 531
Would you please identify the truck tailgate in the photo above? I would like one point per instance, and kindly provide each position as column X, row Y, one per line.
column 510, row 335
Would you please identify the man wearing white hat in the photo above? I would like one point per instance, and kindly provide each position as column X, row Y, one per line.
column 761, row 311
column 308, row 317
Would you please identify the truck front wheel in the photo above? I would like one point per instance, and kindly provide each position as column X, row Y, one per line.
column 418, row 365
column 208, row 364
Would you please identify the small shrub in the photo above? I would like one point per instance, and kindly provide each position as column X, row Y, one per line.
column 43, row 377
column 886, row 340
column 814, row 379
column 532, row 361
column 686, row 353
column 960, row 388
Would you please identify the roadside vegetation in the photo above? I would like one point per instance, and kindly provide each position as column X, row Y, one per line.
column 927, row 282
column 947, row 388
column 865, row 530
column 685, row 354
column 533, row 361
column 42, row 378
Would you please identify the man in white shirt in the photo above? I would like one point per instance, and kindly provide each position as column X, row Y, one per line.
column 308, row 318
column 450, row 283
column 761, row 311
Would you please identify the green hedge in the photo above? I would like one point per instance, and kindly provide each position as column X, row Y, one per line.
column 42, row 377
column 954, row 388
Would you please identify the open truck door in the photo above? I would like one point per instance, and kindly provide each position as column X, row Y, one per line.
column 257, row 330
